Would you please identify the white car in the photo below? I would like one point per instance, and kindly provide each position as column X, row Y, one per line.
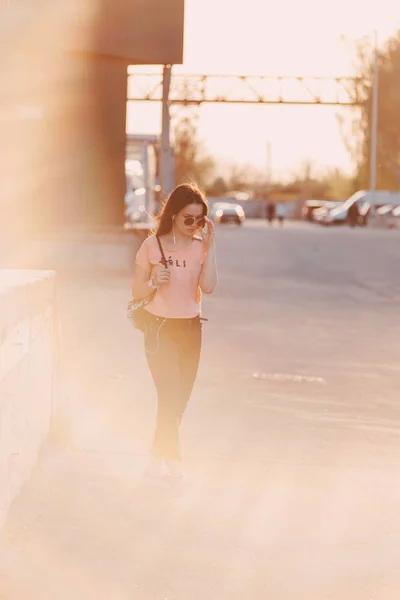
column 323, row 214
column 227, row 212
column 367, row 203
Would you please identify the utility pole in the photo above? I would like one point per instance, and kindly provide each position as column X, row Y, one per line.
column 374, row 118
column 269, row 166
column 166, row 154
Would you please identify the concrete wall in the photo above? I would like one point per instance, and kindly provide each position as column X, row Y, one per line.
column 63, row 105
column 140, row 31
column 63, row 141
column 111, row 250
column 27, row 317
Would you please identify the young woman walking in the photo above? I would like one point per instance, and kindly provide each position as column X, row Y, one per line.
column 174, row 267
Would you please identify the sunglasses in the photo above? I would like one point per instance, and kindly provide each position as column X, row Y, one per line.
column 191, row 221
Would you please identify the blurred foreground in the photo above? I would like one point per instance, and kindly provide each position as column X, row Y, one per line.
column 292, row 437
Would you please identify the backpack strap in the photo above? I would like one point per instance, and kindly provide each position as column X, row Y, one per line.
column 163, row 259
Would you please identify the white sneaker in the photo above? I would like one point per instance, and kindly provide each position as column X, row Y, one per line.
column 174, row 468
column 155, row 472
column 179, row 481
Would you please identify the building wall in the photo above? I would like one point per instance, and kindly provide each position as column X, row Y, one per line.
column 63, row 105
column 142, row 31
column 63, row 143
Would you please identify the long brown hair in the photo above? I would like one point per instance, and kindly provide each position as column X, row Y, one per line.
column 182, row 195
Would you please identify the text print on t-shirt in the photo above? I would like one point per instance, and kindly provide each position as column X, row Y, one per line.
column 174, row 263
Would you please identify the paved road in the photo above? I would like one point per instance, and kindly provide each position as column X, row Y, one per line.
column 292, row 437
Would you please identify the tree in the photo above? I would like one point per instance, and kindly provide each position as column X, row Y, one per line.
column 358, row 131
column 218, row 187
column 338, row 185
column 192, row 164
column 244, row 178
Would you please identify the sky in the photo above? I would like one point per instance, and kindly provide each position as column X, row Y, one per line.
column 254, row 37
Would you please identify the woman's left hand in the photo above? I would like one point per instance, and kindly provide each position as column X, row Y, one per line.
column 208, row 236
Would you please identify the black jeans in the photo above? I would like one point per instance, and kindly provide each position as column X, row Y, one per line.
column 173, row 349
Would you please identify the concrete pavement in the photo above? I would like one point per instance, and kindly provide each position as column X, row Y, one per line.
column 292, row 437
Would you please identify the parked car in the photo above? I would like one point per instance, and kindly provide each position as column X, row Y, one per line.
column 344, row 213
column 367, row 203
column 227, row 212
column 322, row 215
column 396, row 212
column 311, row 206
column 387, row 216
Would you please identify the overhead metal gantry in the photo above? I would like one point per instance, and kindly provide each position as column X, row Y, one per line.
column 195, row 90
column 239, row 89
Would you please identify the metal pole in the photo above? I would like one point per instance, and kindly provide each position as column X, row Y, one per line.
column 374, row 118
column 166, row 164
column 269, row 164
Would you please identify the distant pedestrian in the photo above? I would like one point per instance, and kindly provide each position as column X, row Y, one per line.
column 281, row 213
column 173, row 267
column 271, row 213
column 353, row 214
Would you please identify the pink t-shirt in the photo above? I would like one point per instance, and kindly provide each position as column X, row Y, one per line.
column 180, row 298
